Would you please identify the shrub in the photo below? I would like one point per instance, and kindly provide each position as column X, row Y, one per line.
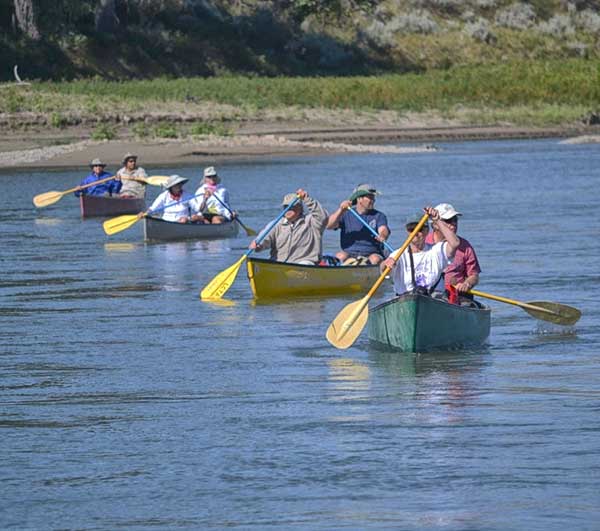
column 516, row 16
column 207, row 128
column 58, row 120
column 557, row 26
column 140, row 130
column 480, row 31
column 165, row 130
column 588, row 20
column 104, row 132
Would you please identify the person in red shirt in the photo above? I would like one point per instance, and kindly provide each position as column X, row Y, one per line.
column 463, row 272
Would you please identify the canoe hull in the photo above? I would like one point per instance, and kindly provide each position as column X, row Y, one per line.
column 156, row 229
column 102, row 206
column 272, row 280
column 419, row 323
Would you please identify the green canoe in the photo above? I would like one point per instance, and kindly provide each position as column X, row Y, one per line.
column 418, row 323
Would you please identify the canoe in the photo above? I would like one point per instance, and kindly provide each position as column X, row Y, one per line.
column 157, row 229
column 418, row 323
column 270, row 279
column 98, row 205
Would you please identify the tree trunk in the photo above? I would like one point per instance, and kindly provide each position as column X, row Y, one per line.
column 106, row 17
column 26, row 19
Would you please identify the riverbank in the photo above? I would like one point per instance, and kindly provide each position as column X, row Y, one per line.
column 72, row 147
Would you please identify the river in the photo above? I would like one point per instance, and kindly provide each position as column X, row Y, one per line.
column 126, row 402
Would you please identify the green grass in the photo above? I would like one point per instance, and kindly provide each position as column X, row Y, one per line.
column 535, row 92
column 574, row 81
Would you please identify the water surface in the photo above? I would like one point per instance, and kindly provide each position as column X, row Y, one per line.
column 128, row 403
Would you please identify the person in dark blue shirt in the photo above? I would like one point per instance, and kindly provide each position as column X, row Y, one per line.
column 109, row 187
column 356, row 240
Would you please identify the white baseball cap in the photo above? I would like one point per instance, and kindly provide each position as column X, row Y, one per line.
column 447, row 211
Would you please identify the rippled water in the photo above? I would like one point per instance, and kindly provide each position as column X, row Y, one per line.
column 128, row 403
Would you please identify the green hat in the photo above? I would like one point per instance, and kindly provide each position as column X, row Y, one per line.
column 361, row 190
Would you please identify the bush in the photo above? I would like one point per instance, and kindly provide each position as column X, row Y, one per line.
column 207, row 128
column 516, row 16
column 104, row 132
column 165, row 130
column 480, row 31
column 588, row 20
column 58, row 120
column 557, row 26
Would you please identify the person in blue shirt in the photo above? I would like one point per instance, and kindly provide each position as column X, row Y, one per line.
column 106, row 188
column 356, row 240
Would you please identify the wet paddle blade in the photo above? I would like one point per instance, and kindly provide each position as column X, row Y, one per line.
column 553, row 312
column 219, row 285
column 157, row 180
column 48, row 198
column 348, row 324
column 114, row 225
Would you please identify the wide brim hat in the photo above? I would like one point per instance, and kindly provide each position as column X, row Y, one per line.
column 447, row 211
column 129, row 156
column 362, row 190
column 210, row 172
column 97, row 162
column 174, row 180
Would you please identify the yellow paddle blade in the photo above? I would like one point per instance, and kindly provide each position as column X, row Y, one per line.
column 348, row 324
column 42, row 200
column 114, row 225
column 157, row 180
column 553, row 312
column 219, row 285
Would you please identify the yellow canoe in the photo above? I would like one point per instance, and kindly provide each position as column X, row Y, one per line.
column 270, row 279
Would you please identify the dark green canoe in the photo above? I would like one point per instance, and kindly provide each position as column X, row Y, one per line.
column 417, row 323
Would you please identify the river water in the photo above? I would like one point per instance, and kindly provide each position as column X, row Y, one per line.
column 126, row 402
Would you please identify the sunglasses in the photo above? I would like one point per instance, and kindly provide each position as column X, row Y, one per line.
column 413, row 226
column 452, row 221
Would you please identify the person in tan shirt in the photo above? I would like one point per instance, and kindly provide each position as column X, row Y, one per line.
column 298, row 237
column 128, row 174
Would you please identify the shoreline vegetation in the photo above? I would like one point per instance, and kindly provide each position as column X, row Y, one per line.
column 235, row 115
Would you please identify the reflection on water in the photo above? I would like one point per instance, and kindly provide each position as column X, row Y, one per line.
column 119, row 247
column 45, row 221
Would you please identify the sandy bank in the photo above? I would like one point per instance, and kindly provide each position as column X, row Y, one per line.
column 70, row 148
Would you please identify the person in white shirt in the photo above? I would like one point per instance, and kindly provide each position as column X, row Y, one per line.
column 213, row 203
column 174, row 204
column 420, row 267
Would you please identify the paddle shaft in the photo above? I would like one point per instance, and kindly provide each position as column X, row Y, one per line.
column 89, row 185
column 394, row 256
column 248, row 230
column 511, row 301
column 359, row 217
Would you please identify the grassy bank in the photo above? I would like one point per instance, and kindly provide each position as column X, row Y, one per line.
column 525, row 93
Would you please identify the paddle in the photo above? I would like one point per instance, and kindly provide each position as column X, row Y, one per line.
column 49, row 198
column 546, row 311
column 120, row 223
column 359, row 217
column 219, row 285
column 248, row 230
column 348, row 324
